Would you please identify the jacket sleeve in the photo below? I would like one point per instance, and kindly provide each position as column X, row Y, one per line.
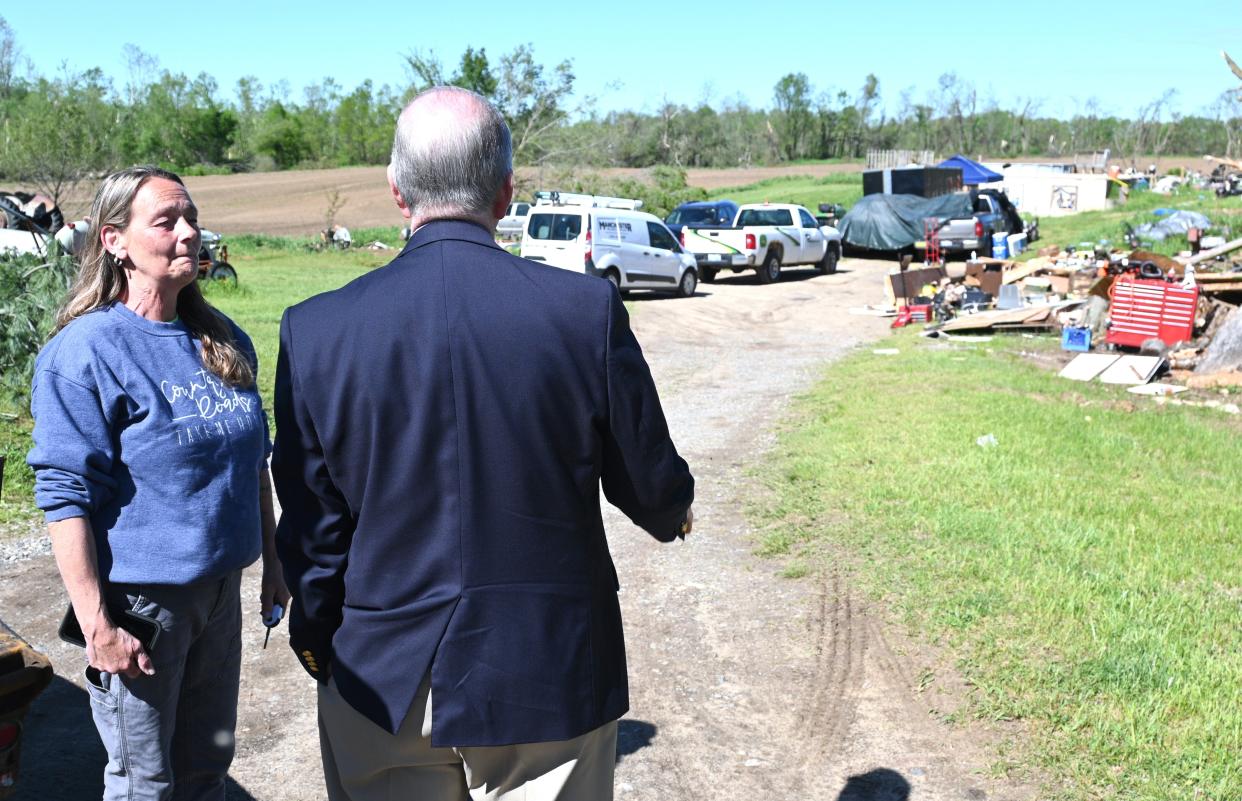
column 316, row 525
column 643, row 475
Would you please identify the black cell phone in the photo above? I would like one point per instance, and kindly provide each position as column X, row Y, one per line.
column 143, row 627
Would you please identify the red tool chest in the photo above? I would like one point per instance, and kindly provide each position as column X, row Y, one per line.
column 1144, row 308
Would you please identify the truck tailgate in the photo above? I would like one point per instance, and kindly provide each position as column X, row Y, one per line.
column 727, row 241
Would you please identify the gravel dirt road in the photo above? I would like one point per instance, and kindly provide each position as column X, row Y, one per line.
column 744, row 685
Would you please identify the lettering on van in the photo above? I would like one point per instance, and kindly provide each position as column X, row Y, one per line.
column 611, row 226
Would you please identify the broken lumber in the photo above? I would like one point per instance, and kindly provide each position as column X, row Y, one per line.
column 1214, row 252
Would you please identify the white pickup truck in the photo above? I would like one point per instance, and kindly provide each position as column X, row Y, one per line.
column 765, row 237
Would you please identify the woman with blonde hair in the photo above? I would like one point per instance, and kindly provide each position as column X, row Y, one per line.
column 150, row 457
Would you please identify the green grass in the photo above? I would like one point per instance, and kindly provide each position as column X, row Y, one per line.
column 1086, row 570
column 843, row 188
column 15, row 498
column 1096, row 226
column 272, row 279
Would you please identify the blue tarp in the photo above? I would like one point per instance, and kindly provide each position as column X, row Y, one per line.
column 972, row 171
column 1177, row 223
column 893, row 222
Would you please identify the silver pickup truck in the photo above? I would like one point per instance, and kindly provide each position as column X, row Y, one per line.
column 994, row 216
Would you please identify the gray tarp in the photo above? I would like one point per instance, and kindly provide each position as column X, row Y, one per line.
column 892, row 222
column 1179, row 222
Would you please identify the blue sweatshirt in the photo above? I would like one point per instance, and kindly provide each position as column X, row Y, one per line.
column 163, row 457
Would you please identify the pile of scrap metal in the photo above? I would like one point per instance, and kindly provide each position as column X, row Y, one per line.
column 1226, row 177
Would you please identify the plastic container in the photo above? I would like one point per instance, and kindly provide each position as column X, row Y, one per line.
column 1000, row 248
column 1078, row 339
column 1010, row 297
column 1017, row 243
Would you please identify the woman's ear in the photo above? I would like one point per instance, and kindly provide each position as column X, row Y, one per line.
column 113, row 240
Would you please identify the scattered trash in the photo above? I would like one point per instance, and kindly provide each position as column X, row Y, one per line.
column 987, row 441
column 1227, row 408
column 875, row 311
column 1156, row 389
column 1127, row 314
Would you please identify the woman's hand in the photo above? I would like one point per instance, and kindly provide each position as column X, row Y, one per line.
column 273, row 590
column 114, row 650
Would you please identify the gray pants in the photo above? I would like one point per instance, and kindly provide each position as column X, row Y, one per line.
column 170, row 735
column 362, row 762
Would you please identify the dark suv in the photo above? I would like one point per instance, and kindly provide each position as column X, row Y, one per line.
column 701, row 214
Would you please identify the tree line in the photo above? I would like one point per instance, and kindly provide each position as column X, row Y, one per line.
column 57, row 130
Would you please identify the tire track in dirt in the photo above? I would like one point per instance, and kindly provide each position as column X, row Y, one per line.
column 840, row 644
column 780, row 688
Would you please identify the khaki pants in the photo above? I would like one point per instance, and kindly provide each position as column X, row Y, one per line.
column 362, row 762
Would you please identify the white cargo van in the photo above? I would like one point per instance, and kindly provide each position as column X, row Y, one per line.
column 610, row 238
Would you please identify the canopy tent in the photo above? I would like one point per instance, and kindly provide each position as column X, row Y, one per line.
column 892, row 222
column 973, row 172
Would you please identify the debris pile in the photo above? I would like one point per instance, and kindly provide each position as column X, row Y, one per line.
column 1134, row 315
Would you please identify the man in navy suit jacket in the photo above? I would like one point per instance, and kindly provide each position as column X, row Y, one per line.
column 444, row 425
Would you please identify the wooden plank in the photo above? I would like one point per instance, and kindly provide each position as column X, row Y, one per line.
column 1214, row 252
column 1020, row 271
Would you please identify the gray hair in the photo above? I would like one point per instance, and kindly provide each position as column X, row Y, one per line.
column 456, row 168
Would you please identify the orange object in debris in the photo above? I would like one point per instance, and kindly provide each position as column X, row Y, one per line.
column 24, row 673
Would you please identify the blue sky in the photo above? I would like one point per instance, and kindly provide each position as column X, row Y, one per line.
column 634, row 55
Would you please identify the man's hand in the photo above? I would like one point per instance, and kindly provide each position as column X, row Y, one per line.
column 114, row 650
column 688, row 526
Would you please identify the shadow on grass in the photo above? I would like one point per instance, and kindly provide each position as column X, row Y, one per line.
column 62, row 756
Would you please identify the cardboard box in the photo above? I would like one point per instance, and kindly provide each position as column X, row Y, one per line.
column 985, row 276
column 901, row 288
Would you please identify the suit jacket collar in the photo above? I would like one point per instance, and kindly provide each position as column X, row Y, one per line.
column 440, row 230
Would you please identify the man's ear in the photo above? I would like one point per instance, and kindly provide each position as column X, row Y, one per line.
column 503, row 198
column 396, row 194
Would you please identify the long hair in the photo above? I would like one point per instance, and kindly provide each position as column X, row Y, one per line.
column 101, row 279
